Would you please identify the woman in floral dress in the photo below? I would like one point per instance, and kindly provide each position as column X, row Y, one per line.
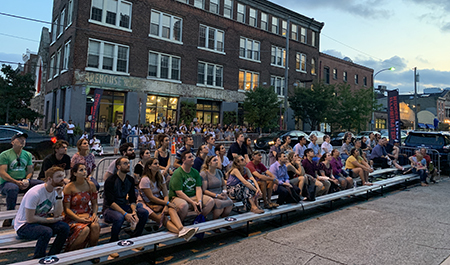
column 82, row 219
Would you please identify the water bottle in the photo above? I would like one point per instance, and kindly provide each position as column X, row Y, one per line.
column 354, row 184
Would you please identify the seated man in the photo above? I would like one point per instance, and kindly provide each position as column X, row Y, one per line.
column 286, row 192
column 431, row 169
column 33, row 222
column 16, row 171
column 264, row 177
column 379, row 154
column 311, row 168
column 58, row 158
column 185, row 189
column 126, row 149
column 315, row 147
column 120, row 203
column 188, row 146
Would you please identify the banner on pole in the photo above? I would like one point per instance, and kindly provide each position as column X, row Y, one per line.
column 393, row 116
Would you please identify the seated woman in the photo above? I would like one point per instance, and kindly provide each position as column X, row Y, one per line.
column 241, row 185
column 213, row 185
column 82, row 219
column 286, row 147
column 326, row 146
column 96, row 147
column 295, row 171
column 418, row 165
column 357, row 167
column 326, row 172
column 154, row 196
column 163, row 155
column 221, row 154
column 144, row 155
column 346, row 146
column 345, row 181
column 202, row 152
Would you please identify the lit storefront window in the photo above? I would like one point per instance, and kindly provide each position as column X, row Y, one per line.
column 208, row 112
column 161, row 108
column 110, row 110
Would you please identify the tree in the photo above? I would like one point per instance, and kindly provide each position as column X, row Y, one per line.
column 313, row 105
column 261, row 106
column 352, row 107
column 16, row 92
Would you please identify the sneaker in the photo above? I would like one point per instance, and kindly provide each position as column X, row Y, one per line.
column 274, row 205
column 113, row 256
column 191, row 233
column 182, row 233
column 7, row 223
column 267, row 206
column 138, row 249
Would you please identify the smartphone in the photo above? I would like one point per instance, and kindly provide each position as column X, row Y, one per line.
column 198, row 208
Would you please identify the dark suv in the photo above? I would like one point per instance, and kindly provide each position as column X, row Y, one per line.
column 439, row 141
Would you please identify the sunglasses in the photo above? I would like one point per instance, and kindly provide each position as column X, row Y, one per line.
column 18, row 162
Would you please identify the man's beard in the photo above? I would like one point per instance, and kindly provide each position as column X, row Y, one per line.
column 126, row 170
column 54, row 184
column 132, row 156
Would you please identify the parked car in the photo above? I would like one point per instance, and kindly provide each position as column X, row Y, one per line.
column 265, row 142
column 319, row 135
column 336, row 138
column 439, row 141
column 385, row 133
column 38, row 145
column 366, row 134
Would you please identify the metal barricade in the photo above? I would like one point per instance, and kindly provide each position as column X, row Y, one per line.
column 265, row 158
column 102, row 167
column 433, row 153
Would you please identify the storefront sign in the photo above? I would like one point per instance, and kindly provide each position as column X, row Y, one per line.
column 106, row 80
column 393, row 116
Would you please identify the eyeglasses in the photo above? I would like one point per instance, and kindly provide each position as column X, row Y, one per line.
column 241, row 159
column 18, row 162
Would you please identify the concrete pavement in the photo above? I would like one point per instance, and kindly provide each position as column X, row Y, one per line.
column 405, row 227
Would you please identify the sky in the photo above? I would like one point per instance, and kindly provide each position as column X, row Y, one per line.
column 375, row 33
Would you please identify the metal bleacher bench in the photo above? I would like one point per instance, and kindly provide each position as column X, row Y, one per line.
column 154, row 239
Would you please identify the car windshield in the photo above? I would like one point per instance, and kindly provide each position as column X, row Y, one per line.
column 426, row 139
column 275, row 134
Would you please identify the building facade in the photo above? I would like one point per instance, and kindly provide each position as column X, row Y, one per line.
column 139, row 60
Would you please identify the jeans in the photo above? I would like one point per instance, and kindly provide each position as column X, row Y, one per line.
column 422, row 173
column 71, row 139
column 11, row 190
column 42, row 233
column 116, row 219
column 284, row 195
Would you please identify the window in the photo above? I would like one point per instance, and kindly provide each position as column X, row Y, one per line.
column 335, row 74
column 275, row 25
column 313, row 66
column 214, row 6
column 115, row 13
column 365, row 81
column 253, row 18
column 208, row 111
column 54, row 29
column 356, row 79
column 294, row 32
column 62, row 22
column 199, row 4
column 106, row 56
column 326, row 75
column 380, row 124
column 278, row 56
column 51, row 70
column 210, row 74
column 264, row 21
column 165, row 26
column 211, row 38
column 301, row 62
column 164, row 66
column 184, row 1
column 241, row 13
column 69, row 13
column 228, row 8
column 249, row 49
column 57, row 63
column 248, row 80
column 160, row 108
column 303, row 35
column 66, row 56
column 283, row 28
column 277, row 82
column 344, row 74
column 313, row 38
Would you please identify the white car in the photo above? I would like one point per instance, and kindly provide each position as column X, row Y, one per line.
column 319, row 135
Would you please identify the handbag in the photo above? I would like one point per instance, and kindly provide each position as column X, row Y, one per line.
column 200, row 219
column 309, row 188
column 294, row 196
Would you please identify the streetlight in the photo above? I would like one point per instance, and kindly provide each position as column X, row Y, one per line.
column 373, row 111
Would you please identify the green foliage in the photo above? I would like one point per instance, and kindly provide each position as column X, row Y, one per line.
column 313, row 105
column 77, row 130
column 229, row 117
column 187, row 111
column 261, row 106
column 16, row 91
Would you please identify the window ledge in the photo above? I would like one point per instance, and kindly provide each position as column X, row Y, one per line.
column 68, row 26
column 209, row 86
column 165, row 39
column 251, row 60
column 276, row 65
column 106, row 71
column 53, row 42
column 164, row 80
column 63, row 71
column 108, row 25
column 210, row 50
column 301, row 71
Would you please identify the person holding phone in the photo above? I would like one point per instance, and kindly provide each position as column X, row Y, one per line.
column 185, row 189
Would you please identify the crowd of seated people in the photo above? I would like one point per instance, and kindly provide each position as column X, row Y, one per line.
column 164, row 191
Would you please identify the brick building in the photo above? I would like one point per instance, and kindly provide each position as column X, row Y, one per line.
column 146, row 57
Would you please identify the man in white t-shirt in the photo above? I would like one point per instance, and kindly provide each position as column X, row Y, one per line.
column 70, row 135
column 33, row 222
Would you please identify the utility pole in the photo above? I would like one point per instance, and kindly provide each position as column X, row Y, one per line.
column 286, row 73
column 415, row 99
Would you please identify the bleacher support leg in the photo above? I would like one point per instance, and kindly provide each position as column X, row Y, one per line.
column 155, row 248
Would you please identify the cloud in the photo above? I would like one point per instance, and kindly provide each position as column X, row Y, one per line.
column 8, row 58
column 444, row 4
column 377, row 65
column 438, row 15
column 422, row 60
column 446, row 27
column 362, row 8
column 334, row 53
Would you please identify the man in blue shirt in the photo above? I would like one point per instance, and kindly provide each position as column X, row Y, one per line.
column 282, row 186
column 300, row 148
column 379, row 154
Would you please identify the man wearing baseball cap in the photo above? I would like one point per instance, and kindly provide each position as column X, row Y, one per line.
column 16, row 171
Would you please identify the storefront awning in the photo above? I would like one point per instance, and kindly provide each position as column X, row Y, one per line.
column 422, row 125
column 430, row 126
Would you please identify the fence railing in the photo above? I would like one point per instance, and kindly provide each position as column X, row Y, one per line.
column 433, row 153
